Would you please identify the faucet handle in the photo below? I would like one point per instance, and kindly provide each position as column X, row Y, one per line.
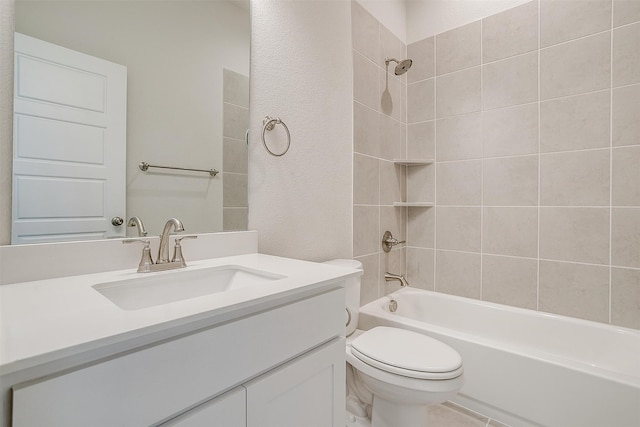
column 388, row 241
column 145, row 261
column 177, row 249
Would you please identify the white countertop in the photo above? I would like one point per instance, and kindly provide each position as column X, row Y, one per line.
column 48, row 320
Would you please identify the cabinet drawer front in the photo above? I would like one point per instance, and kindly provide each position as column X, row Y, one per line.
column 154, row 384
column 228, row 410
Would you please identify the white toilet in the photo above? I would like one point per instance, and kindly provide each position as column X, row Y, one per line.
column 394, row 374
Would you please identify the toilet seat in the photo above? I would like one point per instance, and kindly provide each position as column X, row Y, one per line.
column 407, row 353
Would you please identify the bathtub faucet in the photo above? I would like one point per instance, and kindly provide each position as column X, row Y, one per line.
column 399, row 277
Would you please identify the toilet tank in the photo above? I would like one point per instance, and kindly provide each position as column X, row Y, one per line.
column 352, row 290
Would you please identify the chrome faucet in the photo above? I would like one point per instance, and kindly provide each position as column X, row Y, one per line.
column 399, row 277
column 162, row 263
column 135, row 221
column 163, row 249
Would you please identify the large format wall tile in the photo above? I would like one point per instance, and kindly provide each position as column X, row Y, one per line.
column 458, row 273
column 366, row 130
column 365, row 82
column 366, row 180
column 575, row 290
column 420, row 101
column 579, row 178
column 582, row 65
column 625, row 12
column 365, row 32
column 392, row 137
column 459, row 183
column 508, row 280
column 625, row 297
column 420, row 268
column 459, row 137
column 566, row 20
column 458, row 49
column 420, row 184
column 626, row 116
column 626, row 176
column 510, row 231
column 510, row 131
column 625, row 237
column 423, row 55
column 421, row 228
column 510, row 33
column 510, row 81
column 369, row 281
column 458, row 93
column 393, row 182
column 626, row 55
column 458, row 228
column 510, row 181
column 575, row 234
column 575, row 123
column 366, row 220
column 421, row 140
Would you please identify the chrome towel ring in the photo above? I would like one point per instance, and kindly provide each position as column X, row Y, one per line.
column 268, row 123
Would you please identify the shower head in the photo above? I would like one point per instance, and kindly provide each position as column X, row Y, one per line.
column 402, row 67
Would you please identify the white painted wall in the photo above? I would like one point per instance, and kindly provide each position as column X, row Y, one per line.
column 175, row 52
column 426, row 18
column 301, row 71
column 391, row 13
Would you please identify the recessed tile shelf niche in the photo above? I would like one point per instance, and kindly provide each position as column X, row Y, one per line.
column 413, row 162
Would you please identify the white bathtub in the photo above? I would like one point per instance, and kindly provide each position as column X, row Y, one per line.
column 523, row 367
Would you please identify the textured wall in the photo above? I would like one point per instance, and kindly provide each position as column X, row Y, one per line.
column 6, row 117
column 301, row 71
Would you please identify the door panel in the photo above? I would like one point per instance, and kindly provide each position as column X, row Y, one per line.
column 69, row 144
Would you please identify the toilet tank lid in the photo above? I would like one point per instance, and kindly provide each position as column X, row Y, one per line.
column 346, row 263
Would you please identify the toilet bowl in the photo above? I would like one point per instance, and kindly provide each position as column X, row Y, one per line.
column 394, row 374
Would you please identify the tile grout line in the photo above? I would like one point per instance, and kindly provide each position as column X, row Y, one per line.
column 609, row 306
column 435, row 163
column 481, row 164
column 539, row 168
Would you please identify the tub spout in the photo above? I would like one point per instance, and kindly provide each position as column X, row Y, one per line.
column 389, row 277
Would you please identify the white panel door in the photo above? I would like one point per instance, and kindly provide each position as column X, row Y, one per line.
column 309, row 391
column 69, row 133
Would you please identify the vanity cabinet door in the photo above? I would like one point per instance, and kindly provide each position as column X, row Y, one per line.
column 309, row 391
column 228, row 410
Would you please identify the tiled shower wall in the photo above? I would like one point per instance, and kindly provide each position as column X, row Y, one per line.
column 379, row 109
column 235, row 93
column 533, row 118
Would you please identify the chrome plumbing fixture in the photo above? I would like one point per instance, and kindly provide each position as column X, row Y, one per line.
column 135, row 221
column 388, row 241
column 163, row 263
column 402, row 67
column 163, row 249
column 393, row 305
column 389, row 277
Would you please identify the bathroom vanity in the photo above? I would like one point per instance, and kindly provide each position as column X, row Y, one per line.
column 265, row 351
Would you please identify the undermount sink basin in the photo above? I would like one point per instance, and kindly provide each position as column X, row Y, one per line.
column 178, row 285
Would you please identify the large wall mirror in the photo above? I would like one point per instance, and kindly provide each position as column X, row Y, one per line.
column 187, row 106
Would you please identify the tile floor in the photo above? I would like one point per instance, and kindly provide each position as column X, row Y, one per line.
column 451, row 415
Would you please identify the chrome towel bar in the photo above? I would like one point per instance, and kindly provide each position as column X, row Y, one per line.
column 144, row 166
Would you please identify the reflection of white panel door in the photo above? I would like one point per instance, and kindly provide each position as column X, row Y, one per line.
column 69, row 152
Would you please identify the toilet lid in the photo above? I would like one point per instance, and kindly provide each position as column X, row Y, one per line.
column 407, row 353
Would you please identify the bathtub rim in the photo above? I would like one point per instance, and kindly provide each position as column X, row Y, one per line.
column 376, row 309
